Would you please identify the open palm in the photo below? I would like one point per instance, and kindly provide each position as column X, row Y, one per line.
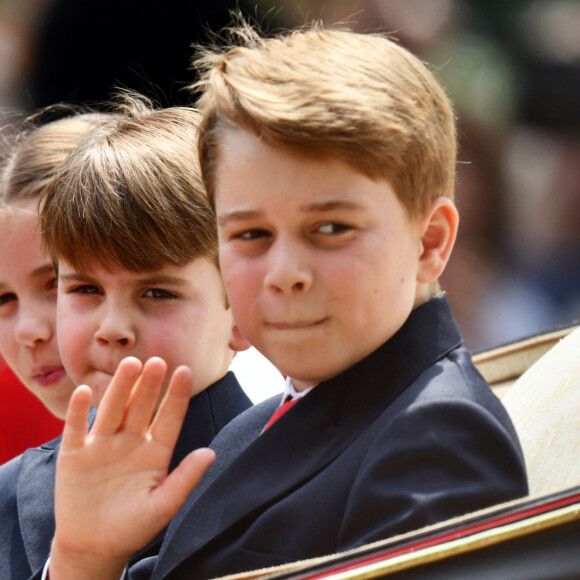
column 113, row 494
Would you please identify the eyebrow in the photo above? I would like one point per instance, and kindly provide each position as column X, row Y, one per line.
column 316, row 207
column 238, row 215
column 36, row 273
column 330, row 205
column 44, row 269
column 153, row 280
column 75, row 276
column 161, row 279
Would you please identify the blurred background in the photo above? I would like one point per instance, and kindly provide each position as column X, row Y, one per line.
column 511, row 68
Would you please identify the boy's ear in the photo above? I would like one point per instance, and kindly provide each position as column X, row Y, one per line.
column 238, row 341
column 439, row 230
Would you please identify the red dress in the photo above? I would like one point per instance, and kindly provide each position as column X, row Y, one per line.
column 24, row 421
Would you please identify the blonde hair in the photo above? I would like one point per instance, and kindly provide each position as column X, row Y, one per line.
column 38, row 150
column 360, row 98
column 131, row 193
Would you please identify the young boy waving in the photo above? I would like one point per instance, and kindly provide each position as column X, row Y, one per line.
column 129, row 226
column 329, row 158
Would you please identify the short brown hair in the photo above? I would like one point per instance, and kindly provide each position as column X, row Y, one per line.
column 131, row 194
column 360, row 98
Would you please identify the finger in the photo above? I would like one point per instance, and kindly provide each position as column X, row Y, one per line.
column 171, row 495
column 167, row 423
column 145, row 395
column 75, row 427
column 112, row 408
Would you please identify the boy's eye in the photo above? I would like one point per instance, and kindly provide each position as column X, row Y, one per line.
column 252, row 234
column 7, row 298
column 333, row 229
column 159, row 294
column 52, row 283
column 84, row 289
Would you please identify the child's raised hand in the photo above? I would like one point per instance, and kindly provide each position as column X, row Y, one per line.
column 113, row 494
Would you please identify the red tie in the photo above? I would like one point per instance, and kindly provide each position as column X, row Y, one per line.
column 280, row 411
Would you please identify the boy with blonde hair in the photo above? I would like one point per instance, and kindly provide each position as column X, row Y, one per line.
column 329, row 158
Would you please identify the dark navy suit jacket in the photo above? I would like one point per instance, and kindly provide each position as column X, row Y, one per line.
column 27, row 482
column 409, row 436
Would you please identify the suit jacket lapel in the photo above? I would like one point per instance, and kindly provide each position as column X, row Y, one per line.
column 208, row 413
column 35, row 491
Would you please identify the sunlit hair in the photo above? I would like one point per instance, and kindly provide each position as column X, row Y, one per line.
column 360, row 98
column 131, row 194
column 37, row 149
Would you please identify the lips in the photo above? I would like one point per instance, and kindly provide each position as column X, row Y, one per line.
column 48, row 376
column 295, row 325
column 106, row 366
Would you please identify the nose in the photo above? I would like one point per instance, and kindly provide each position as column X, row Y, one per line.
column 288, row 268
column 115, row 328
column 35, row 326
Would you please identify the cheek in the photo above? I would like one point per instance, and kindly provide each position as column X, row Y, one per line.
column 349, row 278
column 65, row 329
column 170, row 338
column 243, row 303
column 73, row 336
column 8, row 345
column 241, row 285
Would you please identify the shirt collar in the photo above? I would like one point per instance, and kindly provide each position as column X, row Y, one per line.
column 290, row 391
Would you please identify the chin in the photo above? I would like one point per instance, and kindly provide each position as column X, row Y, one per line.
column 59, row 412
